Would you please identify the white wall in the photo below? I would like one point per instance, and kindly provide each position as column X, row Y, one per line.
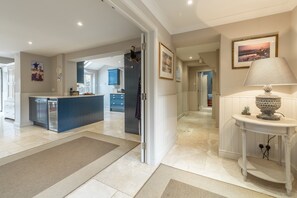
column 193, row 86
column 230, row 135
column 106, row 89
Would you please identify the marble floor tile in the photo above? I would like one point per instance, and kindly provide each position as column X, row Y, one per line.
column 119, row 194
column 196, row 151
column 127, row 174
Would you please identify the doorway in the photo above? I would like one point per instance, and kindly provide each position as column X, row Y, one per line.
column 205, row 87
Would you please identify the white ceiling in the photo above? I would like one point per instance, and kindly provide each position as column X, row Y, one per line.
column 51, row 26
column 193, row 51
column 114, row 61
column 178, row 17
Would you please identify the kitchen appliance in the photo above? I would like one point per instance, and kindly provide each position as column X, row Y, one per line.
column 52, row 114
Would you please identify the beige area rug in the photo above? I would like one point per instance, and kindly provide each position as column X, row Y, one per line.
column 174, row 183
column 57, row 168
column 179, row 189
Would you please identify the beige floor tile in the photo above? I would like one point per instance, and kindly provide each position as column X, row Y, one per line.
column 93, row 189
column 127, row 174
column 119, row 194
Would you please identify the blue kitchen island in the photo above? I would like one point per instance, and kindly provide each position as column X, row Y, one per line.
column 62, row 113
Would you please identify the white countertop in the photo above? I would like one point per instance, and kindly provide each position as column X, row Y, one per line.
column 57, row 97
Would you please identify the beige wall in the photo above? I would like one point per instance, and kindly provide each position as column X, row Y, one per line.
column 179, row 88
column 185, row 88
column 25, row 87
column 279, row 23
column 29, row 86
column 262, row 26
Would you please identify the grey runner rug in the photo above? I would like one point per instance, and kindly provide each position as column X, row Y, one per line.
column 35, row 170
column 169, row 182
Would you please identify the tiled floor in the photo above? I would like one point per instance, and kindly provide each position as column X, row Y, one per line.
column 196, row 151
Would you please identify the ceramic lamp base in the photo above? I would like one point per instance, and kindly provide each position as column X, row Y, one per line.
column 268, row 104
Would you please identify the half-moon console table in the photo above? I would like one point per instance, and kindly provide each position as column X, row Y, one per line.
column 268, row 170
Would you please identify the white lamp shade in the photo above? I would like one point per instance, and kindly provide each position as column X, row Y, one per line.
column 270, row 71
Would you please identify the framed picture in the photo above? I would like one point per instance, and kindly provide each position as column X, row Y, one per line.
column 37, row 71
column 165, row 62
column 245, row 51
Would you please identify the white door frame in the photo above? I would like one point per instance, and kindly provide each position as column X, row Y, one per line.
column 129, row 9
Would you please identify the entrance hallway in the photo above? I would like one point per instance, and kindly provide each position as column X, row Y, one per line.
column 196, row 151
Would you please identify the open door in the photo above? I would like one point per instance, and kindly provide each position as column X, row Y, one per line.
column 143, row 100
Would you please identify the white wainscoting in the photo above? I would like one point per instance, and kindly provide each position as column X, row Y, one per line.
column 230, row 136
column 166, row 120
column 193, row 100
column 185, row 101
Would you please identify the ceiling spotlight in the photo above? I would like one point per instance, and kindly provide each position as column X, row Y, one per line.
column 80, row 24
column 190, row 2
column 30, row 42
column 190, row 57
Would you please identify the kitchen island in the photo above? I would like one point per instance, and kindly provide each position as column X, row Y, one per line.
column 62, row 113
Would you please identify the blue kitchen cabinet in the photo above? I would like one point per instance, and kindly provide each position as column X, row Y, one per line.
column 117, row 102
column 38, row 111
column 80, row 72
column 65, row 113
column 113, row 77
column 79, row 111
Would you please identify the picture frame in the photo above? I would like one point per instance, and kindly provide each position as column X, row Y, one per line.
column 245, row 51
column 166, row 63
column 37, row 71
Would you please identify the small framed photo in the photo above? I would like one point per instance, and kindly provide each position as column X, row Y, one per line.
column 165, row 62
column 37, row 71
column 245, row 51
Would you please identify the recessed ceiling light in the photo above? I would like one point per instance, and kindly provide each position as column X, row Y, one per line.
column 190, row 2
column 30, row 42
column 119, row 61
column 190, row 57
column 80, row 24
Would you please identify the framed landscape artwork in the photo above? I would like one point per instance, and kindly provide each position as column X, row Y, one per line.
column 245, row 51
column 165, row 62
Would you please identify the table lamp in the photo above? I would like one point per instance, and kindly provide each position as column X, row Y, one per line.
column 268, row 72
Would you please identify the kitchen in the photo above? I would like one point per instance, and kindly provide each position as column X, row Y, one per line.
column 109, row 84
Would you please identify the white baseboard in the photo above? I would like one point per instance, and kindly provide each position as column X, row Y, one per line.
column 23, row 124
column 229, row 155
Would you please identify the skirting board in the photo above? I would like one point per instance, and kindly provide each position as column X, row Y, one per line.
column 24, row 124
column 235, row 156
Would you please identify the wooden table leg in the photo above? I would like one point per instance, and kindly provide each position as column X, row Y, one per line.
column 280, row 149
column 244, row 160
column 288, row 164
